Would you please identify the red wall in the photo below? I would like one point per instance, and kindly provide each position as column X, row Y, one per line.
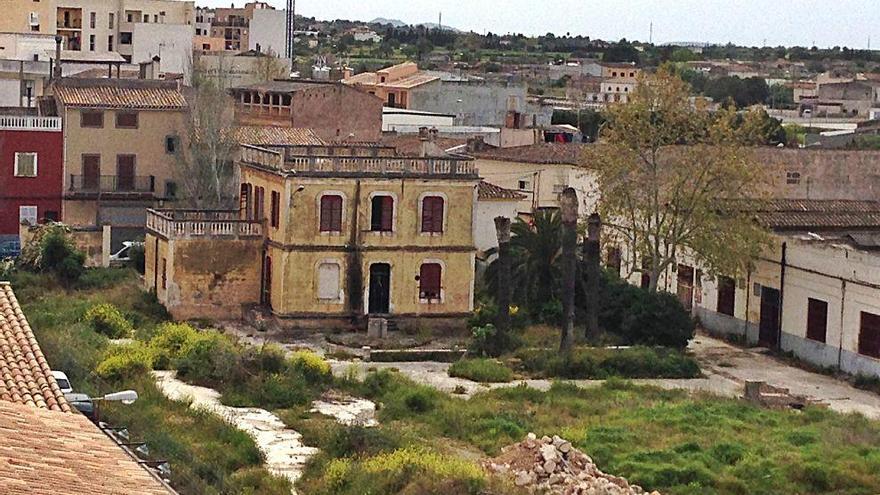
column 42, row 191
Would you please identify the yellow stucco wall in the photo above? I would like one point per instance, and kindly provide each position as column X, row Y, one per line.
column 16, row 16
column 297, row 246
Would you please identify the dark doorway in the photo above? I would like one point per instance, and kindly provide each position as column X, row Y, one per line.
column 380, row 285
column 768, row 335
column 686, row 286
column 266, row 296
column 91, row 172
column 125, row 173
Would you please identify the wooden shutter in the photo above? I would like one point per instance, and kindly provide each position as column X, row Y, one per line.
column 387, row 213
column 331, row 213
column 276, row 209
column 432, row 214
column 869, row 335
column 817, row 319
column 259, row 197
column 91, row 171
column 429, row 281
column 125, row 173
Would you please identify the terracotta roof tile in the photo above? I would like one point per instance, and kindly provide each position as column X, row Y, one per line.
column 276, row 135
column 51, row 453
column 120, row 93
column 25, row 376
column 813, row 214
column 543, row 153
column 490, row 192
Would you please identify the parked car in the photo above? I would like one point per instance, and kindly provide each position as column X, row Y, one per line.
column 82, row 403
column 124, row 254
column 63, row 382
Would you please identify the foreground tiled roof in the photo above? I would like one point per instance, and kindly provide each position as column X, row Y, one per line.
column 51, row 453
column 120, row 93
column 25, row 376
column 276, row 135
column 490, row 192
column 542, row 153
column 813, row 214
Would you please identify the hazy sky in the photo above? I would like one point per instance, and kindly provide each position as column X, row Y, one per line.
column 787, row 22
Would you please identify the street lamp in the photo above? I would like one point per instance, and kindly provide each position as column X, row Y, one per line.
column 127, row 397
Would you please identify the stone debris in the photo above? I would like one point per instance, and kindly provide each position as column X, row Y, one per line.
column 348, row 411
column 552, row 466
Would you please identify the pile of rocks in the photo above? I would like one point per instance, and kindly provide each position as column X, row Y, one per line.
column 553, row 466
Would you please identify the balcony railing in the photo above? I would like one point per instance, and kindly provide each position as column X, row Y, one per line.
column 201, row 223
column 29, row 123
column 347, row 166
column 112, row 184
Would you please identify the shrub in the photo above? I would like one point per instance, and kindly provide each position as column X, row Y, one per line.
column 208, row 359
column 168, row 341
column 125, row 361
column 487, row 341
column 359, row 441
column 312, row 366
column 58, row 254
column 419, row 401
column 256, row 480
column 137, row 259
column 107, row 320
column 658, row 319
column 599, row 363
column 481, row 370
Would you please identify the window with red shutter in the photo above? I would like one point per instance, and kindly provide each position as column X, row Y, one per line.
column 331, row 213
column 382, row 214
column 869, row 335
column 276, row 209
column 432, row 214
column 429, row 281
column 259, row 197
column 817, row 319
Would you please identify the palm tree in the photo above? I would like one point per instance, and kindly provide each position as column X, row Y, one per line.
column 535, row 250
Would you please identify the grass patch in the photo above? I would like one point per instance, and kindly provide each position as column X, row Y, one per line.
column 590, row 363
column 481, row 370
column 207, row 455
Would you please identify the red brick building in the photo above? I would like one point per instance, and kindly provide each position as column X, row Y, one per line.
column 31, row 173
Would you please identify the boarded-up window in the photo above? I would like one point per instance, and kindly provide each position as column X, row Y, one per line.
column 276, row 209
column 432, row 214
column 429, row 281
column 382, row 214
column 331, row 213
column 91, row 118
column 126, row 120
column 726, row 295
column 817, row 319
column 869, row 335
column 328, row 281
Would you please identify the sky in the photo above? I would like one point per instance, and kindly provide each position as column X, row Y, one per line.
column 824, row 23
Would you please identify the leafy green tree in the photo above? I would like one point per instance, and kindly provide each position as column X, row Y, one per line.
column 661, row 199
column 781, row 96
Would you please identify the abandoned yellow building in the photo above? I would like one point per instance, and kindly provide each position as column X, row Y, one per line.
column 325, row 237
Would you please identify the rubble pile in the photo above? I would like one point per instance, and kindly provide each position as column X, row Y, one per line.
column 553, row 466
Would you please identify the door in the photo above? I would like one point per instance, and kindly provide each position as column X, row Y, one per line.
column 266, row 296
column 768, row 335
column 686, row 286
column 125, row 173
column 91, row 172
column 380, row 289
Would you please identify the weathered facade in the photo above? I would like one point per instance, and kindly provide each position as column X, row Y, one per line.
column 346, row 234
column 336, row 112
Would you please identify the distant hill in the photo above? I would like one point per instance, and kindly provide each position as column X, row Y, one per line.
column 399, row 24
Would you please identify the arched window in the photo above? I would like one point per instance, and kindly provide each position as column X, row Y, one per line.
column 432, row 214
column 429, row 281
column 331, row 213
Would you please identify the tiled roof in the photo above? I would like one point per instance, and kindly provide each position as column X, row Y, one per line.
column 546, row 153
column 407, row 82
column 284, row 86
column 25, row 376
column 51, row 453
column 276, row 135
column 812, row 214
column 490, row 192
column 120, row 93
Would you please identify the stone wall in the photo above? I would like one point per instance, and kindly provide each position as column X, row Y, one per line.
column 823, row 174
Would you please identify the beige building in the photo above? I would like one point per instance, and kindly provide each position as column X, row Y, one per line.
column 815, row 292
column 120, row 142
column 327, row 237
column 27, row 16
column 540, row 173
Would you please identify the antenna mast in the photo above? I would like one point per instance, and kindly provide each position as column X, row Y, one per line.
column 291, row 27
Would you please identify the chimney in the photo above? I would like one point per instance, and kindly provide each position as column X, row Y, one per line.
column 56, row 73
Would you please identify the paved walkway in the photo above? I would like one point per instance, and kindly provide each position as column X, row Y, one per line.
column 726, row 369
column 738, row 365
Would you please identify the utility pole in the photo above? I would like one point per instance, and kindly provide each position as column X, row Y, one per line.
column 291, row 27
